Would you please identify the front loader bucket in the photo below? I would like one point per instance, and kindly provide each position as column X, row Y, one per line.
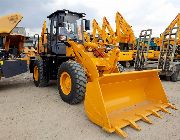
column 117, row 100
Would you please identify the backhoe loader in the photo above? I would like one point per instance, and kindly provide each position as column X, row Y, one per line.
column 88, row 70
column 10, row 63
column 125, row 36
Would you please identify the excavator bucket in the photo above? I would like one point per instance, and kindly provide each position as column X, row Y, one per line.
column 117, row 100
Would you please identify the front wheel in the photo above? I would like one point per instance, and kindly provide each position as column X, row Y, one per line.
column 71, row 82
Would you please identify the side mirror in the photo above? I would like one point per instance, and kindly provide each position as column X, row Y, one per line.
column 87, row 25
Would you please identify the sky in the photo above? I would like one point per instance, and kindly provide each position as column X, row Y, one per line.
column 140, row 14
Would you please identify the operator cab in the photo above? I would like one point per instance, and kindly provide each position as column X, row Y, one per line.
column 65, row 24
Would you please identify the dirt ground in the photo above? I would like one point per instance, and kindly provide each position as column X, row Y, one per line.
column 28, row 112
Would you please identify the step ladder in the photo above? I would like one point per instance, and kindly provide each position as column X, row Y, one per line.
column 168, row 48
column 142, row 49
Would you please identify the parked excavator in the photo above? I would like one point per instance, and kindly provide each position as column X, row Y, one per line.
column 88, row 70
column 123, row 36
column 10, row 61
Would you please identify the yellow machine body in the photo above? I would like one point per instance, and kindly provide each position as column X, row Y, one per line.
column 9, row 22
column 30, row 52
column 125, row 56
column 150, row 54
column 156, row 55
column 1, row 62
column 14, row 38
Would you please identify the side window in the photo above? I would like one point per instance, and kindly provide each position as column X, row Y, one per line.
column 54, row 27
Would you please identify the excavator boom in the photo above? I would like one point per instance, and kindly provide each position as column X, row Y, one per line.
column 124, row 31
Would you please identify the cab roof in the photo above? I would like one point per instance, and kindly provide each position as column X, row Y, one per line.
column 64, row 11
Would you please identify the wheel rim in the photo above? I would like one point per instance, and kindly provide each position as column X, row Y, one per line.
column 65, row 83
column 36, row 73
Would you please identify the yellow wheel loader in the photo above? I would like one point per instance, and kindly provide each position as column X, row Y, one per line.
column 87, row 70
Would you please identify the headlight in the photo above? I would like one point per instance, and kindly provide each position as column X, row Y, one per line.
column 62, row 37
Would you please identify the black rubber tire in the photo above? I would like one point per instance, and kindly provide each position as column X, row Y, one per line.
column 78, row 79
column 43, row 80
column 120, row 67
column 174, row 76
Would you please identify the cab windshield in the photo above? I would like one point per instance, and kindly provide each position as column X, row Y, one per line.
column 71, row 30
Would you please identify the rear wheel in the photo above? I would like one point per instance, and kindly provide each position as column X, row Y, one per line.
column 71, row 82
column 40, row 75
